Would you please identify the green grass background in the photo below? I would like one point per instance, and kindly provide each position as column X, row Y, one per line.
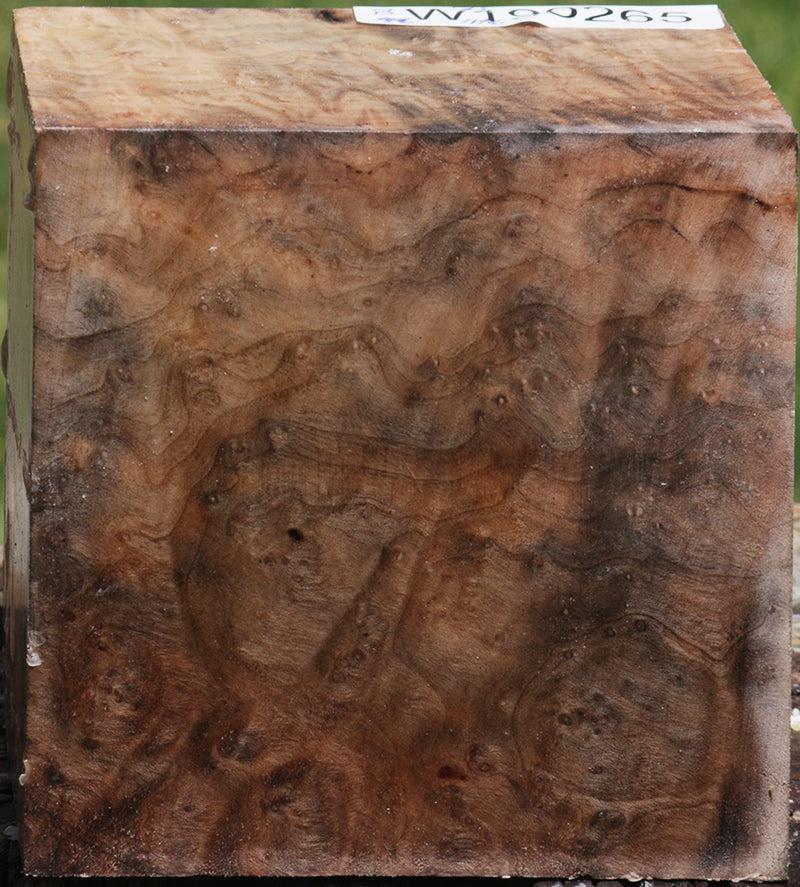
column 768, row 29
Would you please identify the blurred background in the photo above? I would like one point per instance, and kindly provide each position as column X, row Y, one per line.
column 768, row 29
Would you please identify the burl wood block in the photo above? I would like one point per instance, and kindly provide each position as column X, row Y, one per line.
column 400, row 448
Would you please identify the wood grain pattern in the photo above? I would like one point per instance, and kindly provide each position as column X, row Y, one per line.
column 309, row 69
column 408, row 503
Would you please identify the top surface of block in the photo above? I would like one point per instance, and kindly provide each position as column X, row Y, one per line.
column 306, row 70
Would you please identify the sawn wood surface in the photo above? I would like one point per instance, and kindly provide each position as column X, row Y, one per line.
column 410, row 498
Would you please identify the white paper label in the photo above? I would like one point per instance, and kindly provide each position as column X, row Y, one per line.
column 682, row 17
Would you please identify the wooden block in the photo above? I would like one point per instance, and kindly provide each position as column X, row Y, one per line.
column 400, row 458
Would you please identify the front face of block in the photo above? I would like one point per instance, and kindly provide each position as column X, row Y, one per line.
column 409, row 504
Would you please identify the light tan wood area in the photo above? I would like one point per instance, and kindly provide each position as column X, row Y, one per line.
column 413, row 498
column 298, row 69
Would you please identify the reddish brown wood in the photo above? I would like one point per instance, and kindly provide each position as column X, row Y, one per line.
column 409, row 498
